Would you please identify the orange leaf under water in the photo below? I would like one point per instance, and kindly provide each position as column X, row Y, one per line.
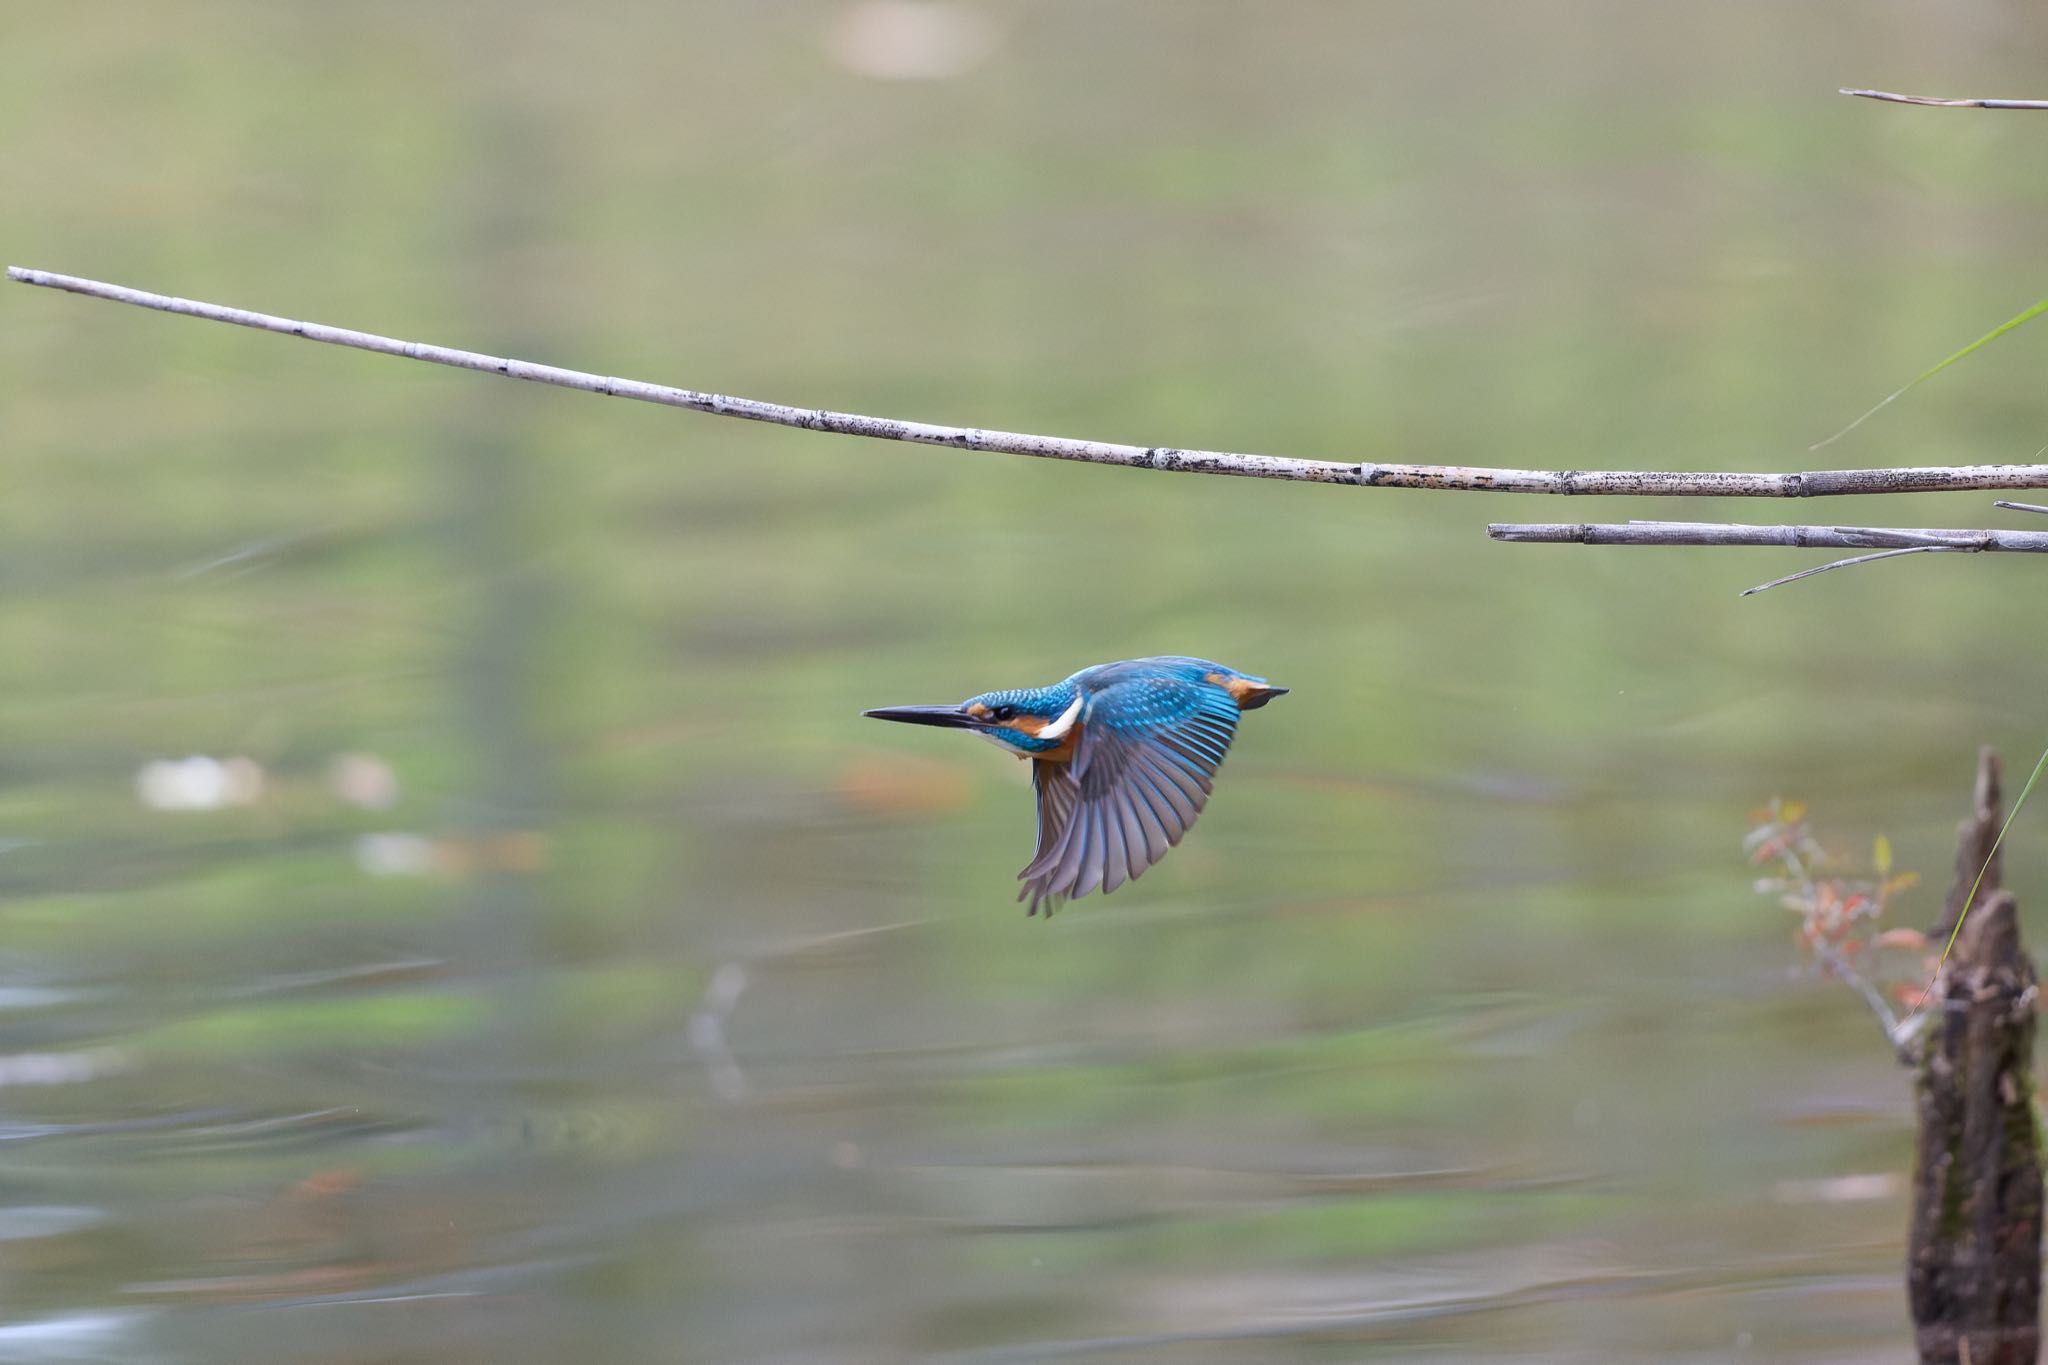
column 899, row 784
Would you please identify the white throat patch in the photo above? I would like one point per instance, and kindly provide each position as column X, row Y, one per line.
column 1065, row 721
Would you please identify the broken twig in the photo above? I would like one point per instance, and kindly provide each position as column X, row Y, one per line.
column 1892, row 98
column 1885, row 541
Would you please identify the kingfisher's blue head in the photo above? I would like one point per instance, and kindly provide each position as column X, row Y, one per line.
column 1024, row 720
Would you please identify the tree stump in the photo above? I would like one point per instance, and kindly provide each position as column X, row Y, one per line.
column 1973, row 1270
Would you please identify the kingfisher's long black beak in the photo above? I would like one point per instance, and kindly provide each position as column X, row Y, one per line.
column 1259, row 698
column 949, row 717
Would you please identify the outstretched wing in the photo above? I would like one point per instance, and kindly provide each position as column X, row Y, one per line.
column 1142, row 769
column 1057, row 792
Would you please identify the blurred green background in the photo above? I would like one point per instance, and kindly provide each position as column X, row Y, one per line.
column 520, row 950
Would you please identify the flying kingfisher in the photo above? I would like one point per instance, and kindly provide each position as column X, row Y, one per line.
column 1122, row 757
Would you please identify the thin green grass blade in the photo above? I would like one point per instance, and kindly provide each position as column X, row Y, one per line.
column 1996, row 844
column 1994, row 334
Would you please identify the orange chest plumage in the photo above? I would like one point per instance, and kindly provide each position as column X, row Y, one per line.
column 1034, row 726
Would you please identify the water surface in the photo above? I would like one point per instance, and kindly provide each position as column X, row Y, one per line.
column 544, row 961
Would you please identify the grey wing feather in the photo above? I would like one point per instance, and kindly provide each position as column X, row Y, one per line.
column 1057, row 793
column 1123, row 802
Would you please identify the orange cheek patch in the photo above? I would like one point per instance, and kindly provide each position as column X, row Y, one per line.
column 1033, row 726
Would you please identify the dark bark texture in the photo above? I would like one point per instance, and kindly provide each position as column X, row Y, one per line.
column 1973, row 1273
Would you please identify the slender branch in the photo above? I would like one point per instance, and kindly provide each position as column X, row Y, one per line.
column 1846, row 563
column 1889, row 97
column 1903, row 1039
column 1815, row 483
column 1884, row 542
column 2020, row 506
column 1800, row 537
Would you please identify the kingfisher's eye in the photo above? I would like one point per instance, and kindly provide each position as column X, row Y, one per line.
column 1003, row 713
